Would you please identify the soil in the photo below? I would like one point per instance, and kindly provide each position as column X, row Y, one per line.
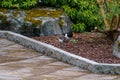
column 92, row 45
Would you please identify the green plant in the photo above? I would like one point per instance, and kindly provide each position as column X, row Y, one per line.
column 84, row 11
column 71, row 12
column 28, row 3
column 18, row 3
column 55, row 3
column 80, row 27
column 74, row 41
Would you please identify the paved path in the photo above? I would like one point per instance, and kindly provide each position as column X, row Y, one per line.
column 20, row 63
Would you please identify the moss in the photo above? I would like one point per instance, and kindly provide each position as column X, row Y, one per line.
column 3, row 17
column 36, row 22
column 61, row 23
column 119, row 44
column 3, row 10
column 15, row 13
column 44, row 13
column 31, row 14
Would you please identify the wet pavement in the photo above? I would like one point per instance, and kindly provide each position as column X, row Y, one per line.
column 20, row 63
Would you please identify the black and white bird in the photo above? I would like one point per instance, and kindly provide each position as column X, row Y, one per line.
column 69, row 34
column 65, row 37
column 62, row 38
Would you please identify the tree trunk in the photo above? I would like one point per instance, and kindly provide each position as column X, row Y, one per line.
column 112, row 25
column 101, row 2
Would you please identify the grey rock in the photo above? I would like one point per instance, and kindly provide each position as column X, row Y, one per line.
column 116, row 48
column 0, row 21
column 50, row 26
column 66, row 27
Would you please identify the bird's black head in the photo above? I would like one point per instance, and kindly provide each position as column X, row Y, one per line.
column 70, row 34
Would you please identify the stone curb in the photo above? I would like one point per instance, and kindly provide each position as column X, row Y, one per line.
column 64, row 56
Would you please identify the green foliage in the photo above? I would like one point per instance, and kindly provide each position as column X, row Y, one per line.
column 112, row 11
column 18, row 3
column 80, row 11
column 55, row 3
column 86, row 12
column 28, row 3
column 80, row 27
column 112, row 8
column 74, row 41
column 71, row 12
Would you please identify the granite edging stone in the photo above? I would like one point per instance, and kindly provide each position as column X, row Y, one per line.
column 62, row 55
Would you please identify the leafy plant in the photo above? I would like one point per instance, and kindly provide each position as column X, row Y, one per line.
column 28, row 3
column 86, row 12
column 74, row 41
column 71, row 12
column 80, row 27
column 18, row 3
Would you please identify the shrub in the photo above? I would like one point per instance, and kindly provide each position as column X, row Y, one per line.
column 18, row 3
column 78, row 28
column 86, row 12
column 71, row 12
column 55, row 3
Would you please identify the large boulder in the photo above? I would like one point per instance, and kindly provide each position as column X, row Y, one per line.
column 116, row 48
column 50, row 27
column 66, row 23
column 39, row 22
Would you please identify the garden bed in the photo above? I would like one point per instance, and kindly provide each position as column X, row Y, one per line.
column 93, row 46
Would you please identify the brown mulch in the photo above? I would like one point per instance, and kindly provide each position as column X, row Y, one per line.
column 94, row 46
